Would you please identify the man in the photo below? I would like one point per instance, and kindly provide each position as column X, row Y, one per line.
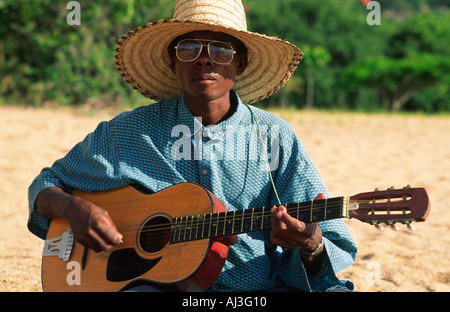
column 200, row 66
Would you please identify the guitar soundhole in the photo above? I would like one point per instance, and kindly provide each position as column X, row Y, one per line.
column 155, row 234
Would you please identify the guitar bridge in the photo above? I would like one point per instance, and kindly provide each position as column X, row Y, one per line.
column 60, row 246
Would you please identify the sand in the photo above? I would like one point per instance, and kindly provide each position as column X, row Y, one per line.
column 353, row 152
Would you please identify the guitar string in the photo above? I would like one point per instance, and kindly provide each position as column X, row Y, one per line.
column 242, row 216
column 213, row 224
column 246, row 216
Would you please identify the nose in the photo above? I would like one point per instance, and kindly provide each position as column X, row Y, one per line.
column 204, row 59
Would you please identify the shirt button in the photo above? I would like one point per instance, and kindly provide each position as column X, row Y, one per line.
column 204, row 172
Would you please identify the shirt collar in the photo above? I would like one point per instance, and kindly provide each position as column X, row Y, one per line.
column 185, row 117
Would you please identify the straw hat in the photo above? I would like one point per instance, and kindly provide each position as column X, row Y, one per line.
column 143, row 60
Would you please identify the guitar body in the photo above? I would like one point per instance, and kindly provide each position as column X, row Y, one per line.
column 177, row 239
column 183, row 266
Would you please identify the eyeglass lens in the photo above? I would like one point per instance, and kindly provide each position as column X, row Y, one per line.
column 189, row 50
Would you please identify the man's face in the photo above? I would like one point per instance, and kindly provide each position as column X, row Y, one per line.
column 203, row 79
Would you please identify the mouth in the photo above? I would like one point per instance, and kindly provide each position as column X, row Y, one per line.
column 204, row 78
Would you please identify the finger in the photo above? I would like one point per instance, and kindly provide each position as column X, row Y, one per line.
column 273, row 217
column 291, row 223
column 98, row 243
column 109, row 235
column 321, row 196
column 92, row 241
column 106, row 230
column 276, row 214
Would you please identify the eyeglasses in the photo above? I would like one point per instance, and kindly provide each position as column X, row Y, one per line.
column 188, row 50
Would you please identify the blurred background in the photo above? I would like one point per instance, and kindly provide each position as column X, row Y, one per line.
column 403, row 64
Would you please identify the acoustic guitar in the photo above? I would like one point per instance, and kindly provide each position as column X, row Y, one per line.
column 178, row 238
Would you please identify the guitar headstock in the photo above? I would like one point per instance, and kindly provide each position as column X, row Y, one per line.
column 390, row 206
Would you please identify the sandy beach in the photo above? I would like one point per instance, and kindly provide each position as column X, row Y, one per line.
column 353, row 152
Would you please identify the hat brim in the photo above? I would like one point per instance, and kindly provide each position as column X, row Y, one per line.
column 143, row 60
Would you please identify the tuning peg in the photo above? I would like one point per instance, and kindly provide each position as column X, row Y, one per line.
column 394, row 227
column 377, row 225
column 391, row 188
column 407, row 187
column 411, row 227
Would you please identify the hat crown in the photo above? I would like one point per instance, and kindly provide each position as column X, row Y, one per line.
column 226, row 13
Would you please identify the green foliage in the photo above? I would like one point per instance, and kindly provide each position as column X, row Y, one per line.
column 43, row 58
column 397, row 79
column 337, row 27
column 348, row 64
column 417, row 59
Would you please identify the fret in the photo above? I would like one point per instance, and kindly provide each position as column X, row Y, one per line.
column 257, row 219
column 317, row 212
column 220, row 223
column 196, row 226
column 179, row 231
column 325, row 209
column 267, row 220
column 242, row 222
column 174, row 230
column 216, row 224
column 187, row 228
column 311, row 211
column 200, row 219
column 213, row 227
column 236, row 218
column 247, row 221
column 224, row 222
column 251, row 220
column 203, row 226
column 262, row 217
column 192, row 228
column 228, row 229
column 232, row 226
column 208, row 219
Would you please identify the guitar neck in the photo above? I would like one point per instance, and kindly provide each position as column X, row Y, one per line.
column 254, row 219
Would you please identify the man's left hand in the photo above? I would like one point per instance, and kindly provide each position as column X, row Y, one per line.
column 291, row 233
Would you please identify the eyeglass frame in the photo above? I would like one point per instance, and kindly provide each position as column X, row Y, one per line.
column 208, row 49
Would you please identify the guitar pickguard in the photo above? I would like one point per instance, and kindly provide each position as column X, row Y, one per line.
column 125, row 264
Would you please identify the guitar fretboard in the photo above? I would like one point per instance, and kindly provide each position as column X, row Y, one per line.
column 254, row 219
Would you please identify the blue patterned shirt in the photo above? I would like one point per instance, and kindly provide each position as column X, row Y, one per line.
column 163, row 144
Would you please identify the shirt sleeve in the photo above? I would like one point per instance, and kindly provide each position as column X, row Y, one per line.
column 297, row 180
column 90, row 165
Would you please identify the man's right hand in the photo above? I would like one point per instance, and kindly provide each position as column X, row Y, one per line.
column 90, row 224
